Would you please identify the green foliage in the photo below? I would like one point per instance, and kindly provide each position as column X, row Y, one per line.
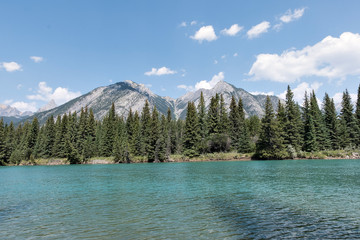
column 349, row 125
column 191, row 132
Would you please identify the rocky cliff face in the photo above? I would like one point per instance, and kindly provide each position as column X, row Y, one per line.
column 128, row 94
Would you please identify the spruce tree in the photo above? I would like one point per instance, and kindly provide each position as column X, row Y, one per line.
column 224, row 119
column 331, row 123
column 202, row 117
column 357, row 111
column 62, row 136
column 2, row 143
column 244, row 144
column 145, row 129
column 191, row 132
column 153, row 136
column 234, row 124
column 108, row 132
column 270, row 144
column 213, row 116
column 294, row 123
column 349, row 122
column 310, row 142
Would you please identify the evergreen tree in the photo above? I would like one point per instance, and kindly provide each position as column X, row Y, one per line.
column 202, row 123
column 121, row 146
column 349, row 122
column 270, row 144
column 234, row 124
column 191, row 132
column 138, row 137
column 60, row 149
column 310, row 142
column 224, row 119
column 357, row 111
column 213, row 116
column 10, row 142
column 244, row 144
column 49, row 132
column 282, row 119
column 293, row 123
column 145, row 128
column 108, row 133
column 154, row 136
column 331, row 123
column 2, row 143
column 160, row 150
column 322, row 137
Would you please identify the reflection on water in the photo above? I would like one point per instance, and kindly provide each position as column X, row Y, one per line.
column 205, row 200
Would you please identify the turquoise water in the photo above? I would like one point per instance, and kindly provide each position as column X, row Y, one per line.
column 199, row 200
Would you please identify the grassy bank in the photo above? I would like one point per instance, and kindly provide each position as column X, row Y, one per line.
column 229, row 156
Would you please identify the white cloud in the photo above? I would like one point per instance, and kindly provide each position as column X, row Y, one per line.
column 183, row 24
column 204, row 84
column 338, row 99
column 236, row 54
column 333, row 58
column 37, row 59
column 259, row 29
column 262, row 93
column 24, row 106
column 10, row 66
column 290, row 16
column 160, row 71
column 8, row 101
column 193, row 23
column 299, row 91
column 205, row 33
column 232, row 31
column 187, row 88
column 60, row 95
column 210, row 84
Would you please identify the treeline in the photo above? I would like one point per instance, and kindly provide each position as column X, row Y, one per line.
column 153, row 137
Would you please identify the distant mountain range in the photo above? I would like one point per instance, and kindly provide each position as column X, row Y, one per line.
column 128, row 94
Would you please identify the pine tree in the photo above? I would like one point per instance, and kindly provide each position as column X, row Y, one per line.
column 121, row 146
column 61, row 137
column 160, row 150
column 357, row 112
column 310, row 142
column 108, row 132
column 322, row 137
column 349, row 122
column 270, row 144
column 244, row 144
column 153, row 136
column 281, row 119
column 2, row 143
column 138, row 137
column 224, row 119
column 331, row 123
column 191, row 132
column 213, row 116
column 145, row 129
column 202, row 117
column 293, row 124
column 234, row 124
column 10, row 142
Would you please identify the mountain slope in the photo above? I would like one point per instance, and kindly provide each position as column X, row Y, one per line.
column 123, row 94
column 129, row 94
column 253, row 104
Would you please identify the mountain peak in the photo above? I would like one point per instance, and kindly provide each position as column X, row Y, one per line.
column 50, row 105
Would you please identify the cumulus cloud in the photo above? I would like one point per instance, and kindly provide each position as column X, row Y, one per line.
column 10, row 66
column 210, row 84
column 299, row 91
column 232, row 31
column 60, row 95
column 205, row 33
column 204, row 84
column 24, row 106
column 262, row 93
column 186, row 87
column 37, row 59
column 333, row 58
column 160, row 71
column 259, row 29
column 290, row 16
column 193, row 23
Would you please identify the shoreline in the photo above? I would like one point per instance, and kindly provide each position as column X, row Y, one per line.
column 104, row 161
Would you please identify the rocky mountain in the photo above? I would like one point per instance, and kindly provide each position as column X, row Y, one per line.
column 50, row 105
column 8, row 114
column 128, row 94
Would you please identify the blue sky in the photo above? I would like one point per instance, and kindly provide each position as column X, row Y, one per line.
column 61, row 49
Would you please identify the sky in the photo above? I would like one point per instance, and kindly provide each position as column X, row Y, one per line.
column 61, row 49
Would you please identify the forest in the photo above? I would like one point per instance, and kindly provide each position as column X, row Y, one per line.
column 283, row 133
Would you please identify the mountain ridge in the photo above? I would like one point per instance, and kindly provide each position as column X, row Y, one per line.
column 128, row 94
